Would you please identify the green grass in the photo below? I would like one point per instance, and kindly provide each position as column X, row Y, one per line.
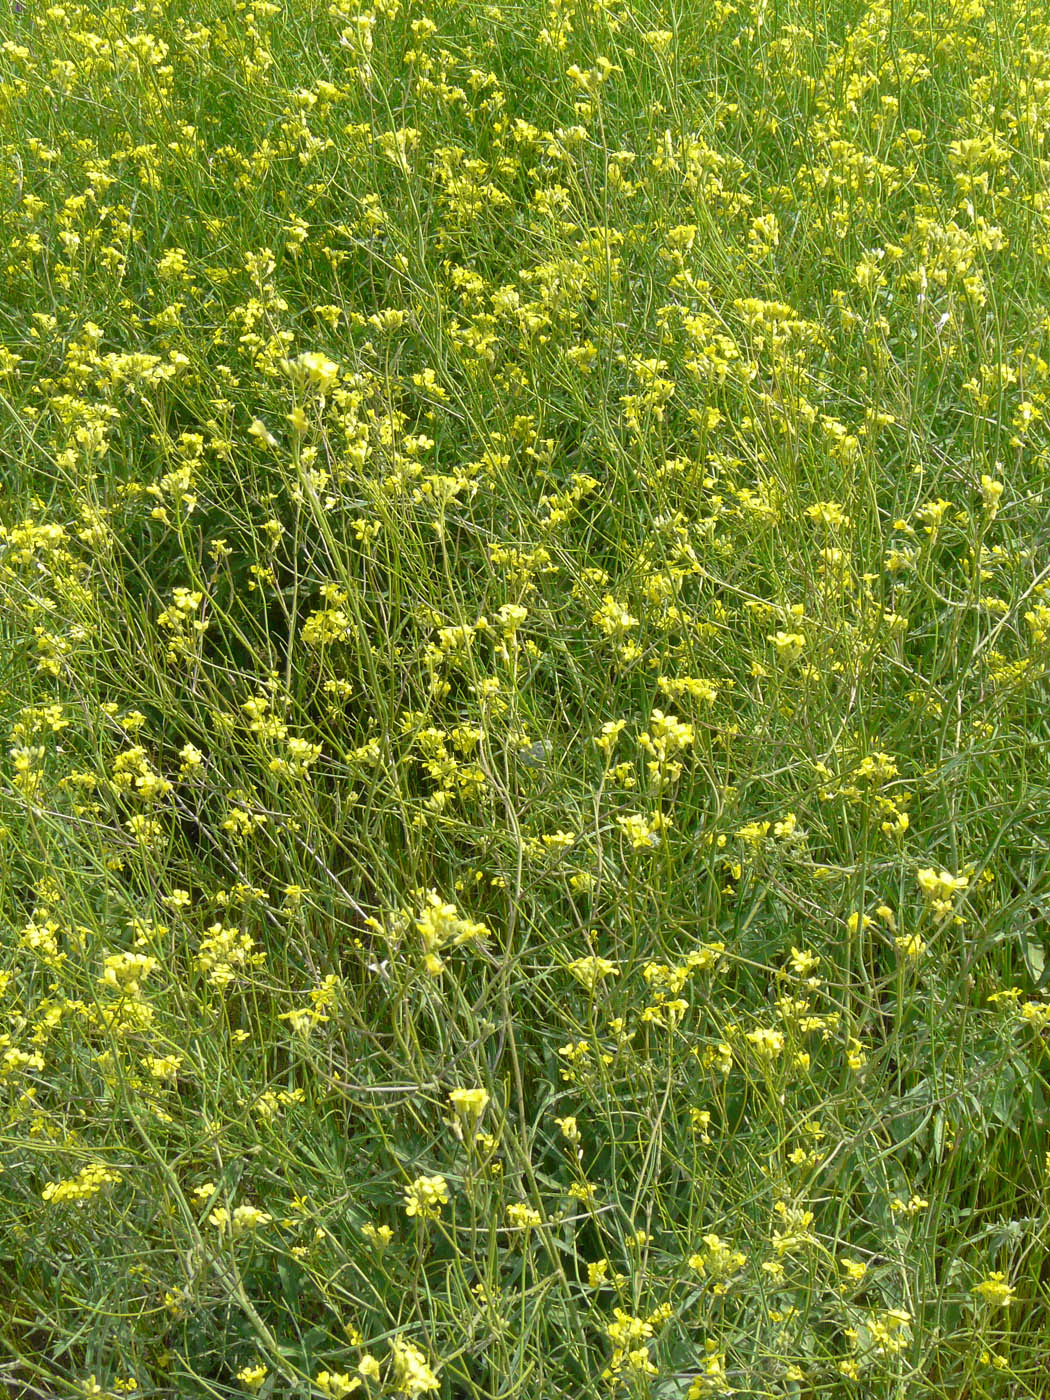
column 524, row 570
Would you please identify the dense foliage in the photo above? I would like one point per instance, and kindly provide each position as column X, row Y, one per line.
column 525, row 581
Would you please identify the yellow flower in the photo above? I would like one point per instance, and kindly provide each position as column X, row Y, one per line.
column 829, row 514
column 991, row 491
column 610, row 732
column 995, row 1290
column 803, row 962
column 912, row 1206
column 856, row 1056
column 789, row 645
column 700, row 1121
column 242, row 1218
column 87, row 1183
column 379, row 1235
column 439, row 923
column 910, row 944
column 336, row 1384
column 939, row 889
column 718, row 1261
column 164, row 1066
column 766, row 1042
column 469, row 1103
column 643, row 831
column 425, row 1196
column 313, row 369
column 590, row 971
column 612, row 618
column 523, row 1217
column 412, row 1375
column 712, row 1378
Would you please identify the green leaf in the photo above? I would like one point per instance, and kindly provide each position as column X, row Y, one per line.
column 1035, row 959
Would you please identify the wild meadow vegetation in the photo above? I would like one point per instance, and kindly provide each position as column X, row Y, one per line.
column 525, row 579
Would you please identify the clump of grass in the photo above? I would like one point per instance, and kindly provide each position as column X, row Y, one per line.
column 527, row 607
